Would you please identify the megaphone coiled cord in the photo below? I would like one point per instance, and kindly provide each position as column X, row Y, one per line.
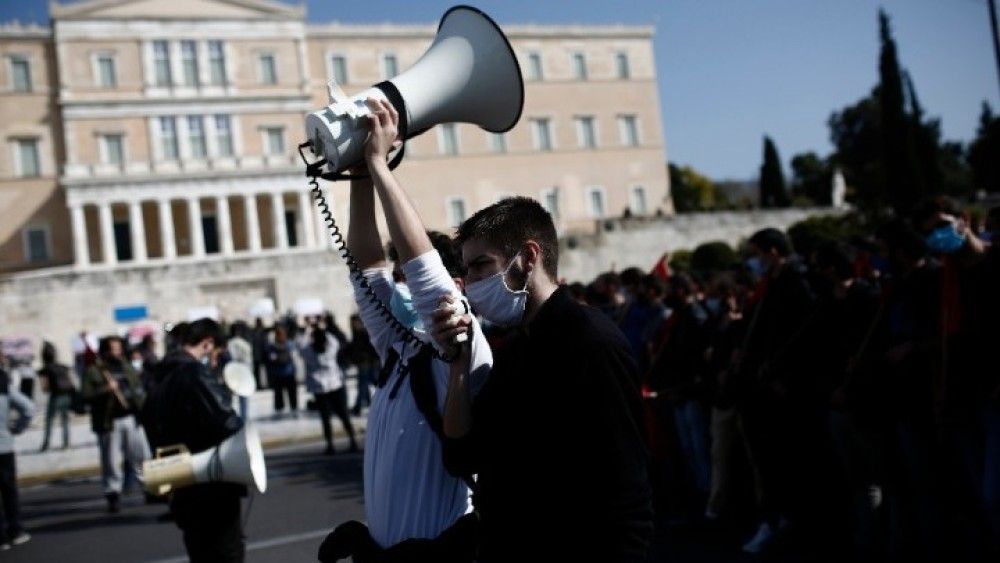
column 404, row 332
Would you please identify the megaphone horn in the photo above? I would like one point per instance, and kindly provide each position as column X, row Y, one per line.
column 239, row 379
column 469, row 74
column 239, row 459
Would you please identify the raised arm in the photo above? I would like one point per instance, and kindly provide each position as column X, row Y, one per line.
column 405, row 227
column 362, row 233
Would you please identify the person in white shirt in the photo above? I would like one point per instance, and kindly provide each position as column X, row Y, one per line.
column 409, row 495
column 325, row 380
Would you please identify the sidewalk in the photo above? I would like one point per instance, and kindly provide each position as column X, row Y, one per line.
column 82, row 457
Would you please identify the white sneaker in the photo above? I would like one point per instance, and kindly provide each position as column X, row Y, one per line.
column 4, row 546
column 760, row 540
column 21, row 538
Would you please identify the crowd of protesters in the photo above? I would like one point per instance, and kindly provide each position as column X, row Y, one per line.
column 111, row 378
column 847, row 401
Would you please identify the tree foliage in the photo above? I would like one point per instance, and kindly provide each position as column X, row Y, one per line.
column 812, row 178
column 691, row 190
column 984, row 152
column 773, row 192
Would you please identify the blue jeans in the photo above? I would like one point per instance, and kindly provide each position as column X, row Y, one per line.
column 692, row 431
column 366, row 378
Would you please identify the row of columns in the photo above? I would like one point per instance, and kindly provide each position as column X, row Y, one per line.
column 310, row 217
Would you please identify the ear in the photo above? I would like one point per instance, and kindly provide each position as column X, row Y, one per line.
column 532, row 253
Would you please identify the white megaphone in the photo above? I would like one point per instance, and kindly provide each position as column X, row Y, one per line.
column 239, row 459
column 469, row 74
column 239, row 379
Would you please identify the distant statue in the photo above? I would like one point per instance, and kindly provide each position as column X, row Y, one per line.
column 838, row 189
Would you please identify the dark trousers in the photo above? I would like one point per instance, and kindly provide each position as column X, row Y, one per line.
column 212, row 529
column 282, row 387
column 10, row 520
column 334, row 402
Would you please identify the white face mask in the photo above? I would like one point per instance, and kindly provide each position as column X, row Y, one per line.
column 496, row 302
column 137, row 365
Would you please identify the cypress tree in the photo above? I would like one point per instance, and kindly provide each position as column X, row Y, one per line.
column 903, row 178
column 773, row 192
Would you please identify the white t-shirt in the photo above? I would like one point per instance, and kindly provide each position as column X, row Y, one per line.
column 408, row 492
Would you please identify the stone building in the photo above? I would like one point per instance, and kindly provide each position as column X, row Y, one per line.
column 150, row 157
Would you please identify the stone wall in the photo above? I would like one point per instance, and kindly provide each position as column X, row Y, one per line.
column 56, row 304
column 640, row 242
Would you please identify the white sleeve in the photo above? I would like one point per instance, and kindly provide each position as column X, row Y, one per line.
column 379, row 330
column 429, row 281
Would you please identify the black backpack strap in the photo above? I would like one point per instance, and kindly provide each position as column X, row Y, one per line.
column 425, row 396
column 390, row 364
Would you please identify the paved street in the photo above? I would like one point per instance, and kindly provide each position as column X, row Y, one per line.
column 308, row 493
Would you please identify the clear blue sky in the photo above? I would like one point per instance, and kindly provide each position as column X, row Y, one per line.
column 732, row 70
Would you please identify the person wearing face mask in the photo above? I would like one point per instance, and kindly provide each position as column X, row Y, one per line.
column 188, row 406
column 562, row 471
column 768, row 375
column 115, row 393
column 410, row 497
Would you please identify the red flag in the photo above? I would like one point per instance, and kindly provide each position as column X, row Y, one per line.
column 662, row 269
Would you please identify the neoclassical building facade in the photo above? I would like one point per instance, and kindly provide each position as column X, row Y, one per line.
column 150, row 145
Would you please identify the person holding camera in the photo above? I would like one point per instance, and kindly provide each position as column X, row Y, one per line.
column 115, row 394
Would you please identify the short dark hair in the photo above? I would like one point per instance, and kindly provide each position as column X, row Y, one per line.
column 832, row 254
column 930, row 207
column 770, row 238
column 200, row 330
column 446, row 248
column 508, row 224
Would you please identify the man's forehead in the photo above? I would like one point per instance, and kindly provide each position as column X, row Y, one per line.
column 474, row 249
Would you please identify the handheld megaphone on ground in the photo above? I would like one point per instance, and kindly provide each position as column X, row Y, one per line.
column 239, row 459
column 469, row 74
column 239, row 379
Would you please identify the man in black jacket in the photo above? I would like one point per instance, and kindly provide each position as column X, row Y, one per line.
column 187, row 407
column 555, row 433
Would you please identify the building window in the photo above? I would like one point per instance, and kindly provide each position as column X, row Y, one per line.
column 20, row 74
column 189, row 62
column 456, row 211
column 579, row 66
column 498, row 142
column 338, row 69
column 390, row 67
column 113, row 149
column 535, row 67
column 36, row 244
column 621, row 64
column 217, row 62
column 106, row 75
column 168, row 138
column 629, row 128
column 161, row 63
column 196, row 136
column 275, row 140
column 448, row 139
column 27, row 158
column 224, row 135
column 637, row 201
column 268, row 70
column 595, row 200
column 550, row 201
column 541, row 128
column 585, row 133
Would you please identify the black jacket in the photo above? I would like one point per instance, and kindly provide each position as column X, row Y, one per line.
column 186, row 406
column 557, row 444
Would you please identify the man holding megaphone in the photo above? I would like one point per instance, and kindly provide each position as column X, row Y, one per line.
column 188, row 407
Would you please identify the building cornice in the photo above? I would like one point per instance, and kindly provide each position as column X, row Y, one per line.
column 201, row 183
column 514, row 32
column 90, row 10
column 103, row 109
column 17, row 30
